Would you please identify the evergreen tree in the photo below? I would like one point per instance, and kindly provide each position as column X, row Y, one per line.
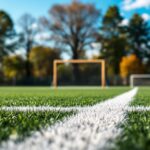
column 7, row 41
column 6, row 33
column 139, row 37
column 112, row 39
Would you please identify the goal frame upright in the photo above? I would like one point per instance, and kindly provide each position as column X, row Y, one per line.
column 80, row 61
column 136, row 76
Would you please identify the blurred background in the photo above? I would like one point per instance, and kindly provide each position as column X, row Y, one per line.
column 35, row 33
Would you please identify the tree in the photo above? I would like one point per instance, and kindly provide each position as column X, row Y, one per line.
column 27, row 38
column 6, row 33
column 42, row 59
column 130, row 65
column 139, row 37
column 112, row 39
column 13, row 67
column 74, row 26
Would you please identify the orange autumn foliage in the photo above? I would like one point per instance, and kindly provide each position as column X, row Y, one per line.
column 130, row 65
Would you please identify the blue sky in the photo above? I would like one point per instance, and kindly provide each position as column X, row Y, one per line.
column 38, row 8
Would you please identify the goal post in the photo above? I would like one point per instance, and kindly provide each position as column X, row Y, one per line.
column 142, row 79
column 79, row 61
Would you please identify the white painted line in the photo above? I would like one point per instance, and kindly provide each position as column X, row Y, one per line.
column 138, row 108
column 90, row 129
column 41, row 108
column 63, row 109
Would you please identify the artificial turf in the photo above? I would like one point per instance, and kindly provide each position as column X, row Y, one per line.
column 143, row 97
column 45, row 96
column 136, row 128
column 18, row 125
column 136, row 132
column 22, row 124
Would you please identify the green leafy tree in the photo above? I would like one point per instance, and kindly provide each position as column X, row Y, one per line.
column 13, row 67
column 139, row 37
column 6, row 34
column 42, row 59
column 112, row 39
column 74, row 26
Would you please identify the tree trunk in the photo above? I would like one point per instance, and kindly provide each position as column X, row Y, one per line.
column 28, row 72
column 27, row 65
column 116, row 79
column 76, row 70
column 116, row 73
column 27, row 68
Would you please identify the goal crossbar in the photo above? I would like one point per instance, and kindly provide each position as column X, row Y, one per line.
column 135, row 76
column 79, row 61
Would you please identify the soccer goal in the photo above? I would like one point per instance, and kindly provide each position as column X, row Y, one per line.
column 140, row 80
column 101, row 62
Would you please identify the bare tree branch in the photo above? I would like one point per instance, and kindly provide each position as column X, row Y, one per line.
column 73, row 25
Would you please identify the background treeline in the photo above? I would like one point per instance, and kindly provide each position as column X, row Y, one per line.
column 26, row 55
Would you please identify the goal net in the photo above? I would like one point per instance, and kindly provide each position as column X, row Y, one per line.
column 140, row 80
column 90, row 62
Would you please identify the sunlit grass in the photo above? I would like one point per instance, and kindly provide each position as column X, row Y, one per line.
column 136, row 128
column 44, row 96
column 22, row 124
column 136, row 132
column 19, row 125
column 143, row 97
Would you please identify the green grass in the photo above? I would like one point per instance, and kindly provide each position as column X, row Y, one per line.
column 136, row 132
column 136, row 129
column 142, row 98
column 44, row 96
column 22, row 124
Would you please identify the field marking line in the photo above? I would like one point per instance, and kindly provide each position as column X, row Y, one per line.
column 41, row 108
column 63, row 109
column 89, row 129
column 138, row 108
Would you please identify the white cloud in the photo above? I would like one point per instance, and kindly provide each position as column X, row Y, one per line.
column 42, row 36
column 96, row 46
column 91, row 53
column 127, row 2
column 135, row 4
column 124, row 22
column 146, row 17
column 34, row 26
